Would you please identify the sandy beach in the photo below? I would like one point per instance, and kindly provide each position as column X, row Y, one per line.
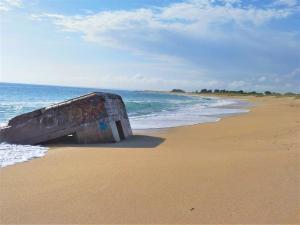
column 242, row 169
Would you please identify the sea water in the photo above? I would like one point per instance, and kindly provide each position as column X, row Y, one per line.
column 146, row 110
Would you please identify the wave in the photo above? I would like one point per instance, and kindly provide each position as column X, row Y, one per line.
column 188, row 115
column 11, row 154
column 145, row 110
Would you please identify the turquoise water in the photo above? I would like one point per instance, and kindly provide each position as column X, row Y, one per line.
column 143, row 107
column 146, row 110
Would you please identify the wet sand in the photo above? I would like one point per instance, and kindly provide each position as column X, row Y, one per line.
column 242, row 169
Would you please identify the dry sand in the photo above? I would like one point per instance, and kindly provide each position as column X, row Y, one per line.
column 243, row 169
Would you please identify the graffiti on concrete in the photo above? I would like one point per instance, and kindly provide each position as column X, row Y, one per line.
column 102, row 125
column 88, row 116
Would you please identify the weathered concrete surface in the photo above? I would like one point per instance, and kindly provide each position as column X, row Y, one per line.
column 92, row 118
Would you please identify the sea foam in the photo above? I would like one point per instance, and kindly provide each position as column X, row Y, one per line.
column 146, row 110
column 11, row 154
column 187, row 115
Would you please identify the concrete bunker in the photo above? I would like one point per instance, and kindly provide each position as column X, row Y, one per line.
column 93, row 118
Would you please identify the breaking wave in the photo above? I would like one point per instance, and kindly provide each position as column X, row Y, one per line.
column 12, row 154
column 187, row 115
column 146, row 110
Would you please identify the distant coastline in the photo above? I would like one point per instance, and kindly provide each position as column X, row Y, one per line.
column 226, row 93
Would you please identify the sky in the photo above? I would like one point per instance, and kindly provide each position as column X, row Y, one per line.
column 152, row 44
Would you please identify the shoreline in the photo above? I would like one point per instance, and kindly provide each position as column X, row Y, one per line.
column 241, row 107
column 247, row 105
column 242, row 169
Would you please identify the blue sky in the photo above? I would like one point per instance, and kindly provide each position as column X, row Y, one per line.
column 152, row 44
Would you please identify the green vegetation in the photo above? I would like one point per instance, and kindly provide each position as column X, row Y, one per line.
column 245, row 93
column 240, row 93
column 178, row 91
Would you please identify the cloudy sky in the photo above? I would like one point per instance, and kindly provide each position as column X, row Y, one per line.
column 152, row 44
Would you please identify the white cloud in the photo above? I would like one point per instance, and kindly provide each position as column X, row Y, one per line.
column 190, row 18
column 289, row 3
column 6, row 5
column 282, row 82
column 237, row 84
column 295, row 74
column 262, row 79
column 206, row 43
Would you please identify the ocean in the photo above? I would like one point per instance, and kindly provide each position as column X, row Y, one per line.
column 146, row 110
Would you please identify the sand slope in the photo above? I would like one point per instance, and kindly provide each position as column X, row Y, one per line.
column 243, row 169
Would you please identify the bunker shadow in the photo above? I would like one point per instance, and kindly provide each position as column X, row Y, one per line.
column 134, row 141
